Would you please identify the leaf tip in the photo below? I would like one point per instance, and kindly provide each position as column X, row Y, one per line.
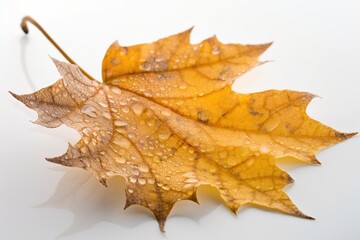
column 63, row 67
column 302, row 215
column 263, row 47
column 268, row 44
column 234, row 210
column 298, row 213
column 103, row 182
column 25, row 99
column 161, row 219
column 290, row 179
column 53, row 160
column 345, row 136
column 59, row 160
column 189, row 30
column 18, row 97
column 127, row 204
column 55, row 61
column 193, row 198
column 187, row 33
column 314, row 161
column 162, row 226
column 259, row 50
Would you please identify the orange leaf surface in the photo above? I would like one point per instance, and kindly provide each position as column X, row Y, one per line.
column 167, row 120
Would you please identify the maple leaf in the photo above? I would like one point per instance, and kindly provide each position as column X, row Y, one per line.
column 167, row 120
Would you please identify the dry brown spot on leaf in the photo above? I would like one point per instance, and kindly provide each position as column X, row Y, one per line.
column 166, row 119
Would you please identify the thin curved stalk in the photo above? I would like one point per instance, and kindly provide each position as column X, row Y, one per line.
column 25, row 28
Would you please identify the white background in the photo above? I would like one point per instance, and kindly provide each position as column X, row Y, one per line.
column 316, row 49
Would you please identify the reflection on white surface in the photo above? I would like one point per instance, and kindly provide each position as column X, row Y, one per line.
column 90, row 202
column 24, row 42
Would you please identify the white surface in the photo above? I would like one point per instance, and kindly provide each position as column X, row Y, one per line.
column 316, row 49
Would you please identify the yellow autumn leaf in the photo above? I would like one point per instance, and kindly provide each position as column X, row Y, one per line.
column 166, row 119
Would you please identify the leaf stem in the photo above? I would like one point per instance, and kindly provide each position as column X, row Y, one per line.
column 25, row 28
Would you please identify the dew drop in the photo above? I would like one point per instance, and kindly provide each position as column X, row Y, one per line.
column 125, row 109
column 119, row 123
column 165, row 134
column 191, row 180
column 148, row 94
column 166, row 112
column 102, row 104
column 151, row 180
column 89, row 110
column 120, row 160
column 159, row 59
column 83, row 149
column 159, row 153
column 143, row 167
column 142, row 181
column 264, row 148
column 137, row 108
column 87, row 131
column 86, row 140
column 271, row 123
column 136, row 172
column 131, row 135
column 183, row 85
column 150, row 122
column 106, row 115
column 189, row 175
column 215, row 50
column 122, row 142
column 123, row 102
column 116, row 90
column 132, row 179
